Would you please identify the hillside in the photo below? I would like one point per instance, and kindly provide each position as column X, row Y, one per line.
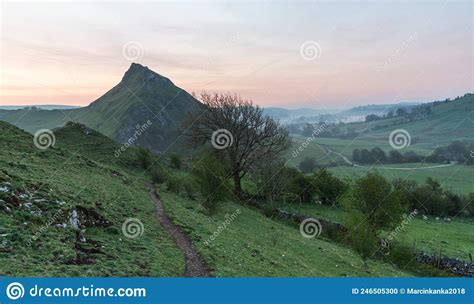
column 378, row 109
column 254, row 245
column 142, row 97
column 41, row 189
column 447, row 122
column 444, row 123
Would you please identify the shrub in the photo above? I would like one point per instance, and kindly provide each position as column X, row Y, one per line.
column 302, row 186
column 158, row 174
column 144, row 158
column 173, row 184
column 175, row 161
column 210, row 177
column 189, row 188
column 307, row 165
column 328, row 187
column 372, row 205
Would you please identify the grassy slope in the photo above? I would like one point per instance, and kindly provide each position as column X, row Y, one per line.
column 448, row 122
column 253, row 245
column 458, row 178
column 59, row 174
column 455, row 238
column 142, row 95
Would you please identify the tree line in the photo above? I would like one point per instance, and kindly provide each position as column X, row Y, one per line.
column 457, row 151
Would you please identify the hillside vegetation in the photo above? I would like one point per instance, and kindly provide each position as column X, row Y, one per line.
column 40, row 189
column 142, row 97
column 39, row 192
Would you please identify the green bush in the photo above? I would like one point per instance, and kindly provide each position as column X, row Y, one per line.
column 159, row 175
column 144, row 158
column 175, row 161
column 210, row 177
column 189, row 188
column 173, row 184
column 328, row 187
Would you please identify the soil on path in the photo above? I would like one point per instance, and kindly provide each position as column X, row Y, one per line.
column 195, row 265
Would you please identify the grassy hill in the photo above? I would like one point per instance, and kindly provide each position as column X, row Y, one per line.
column 447, row 122
column 141, row 96
column 39, row 191
column 255, row 246
column 457, row 178
column 454, row 238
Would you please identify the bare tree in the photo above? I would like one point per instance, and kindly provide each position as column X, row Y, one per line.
column 238, row 130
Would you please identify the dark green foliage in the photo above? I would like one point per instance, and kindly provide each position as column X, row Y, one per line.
column 328, row 187
column 430, row 198
column 189, row 188
column 175, row 161
column 378, row 156
column 362, row 236
column 372, row 206
column 371, row 117
column 302, row 186
column 210, row 176
column 271, row 178
column 144, row 158
column 159, row 174
column 173, row 184
column 457, row 151
column 307, row 165
column 375, row 197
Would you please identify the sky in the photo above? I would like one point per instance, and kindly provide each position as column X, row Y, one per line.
column 331, row 54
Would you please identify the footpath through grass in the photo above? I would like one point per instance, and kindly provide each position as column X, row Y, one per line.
column 251, row 245
column 39, row 191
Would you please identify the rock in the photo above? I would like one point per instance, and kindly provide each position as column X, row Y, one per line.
column 74, row 220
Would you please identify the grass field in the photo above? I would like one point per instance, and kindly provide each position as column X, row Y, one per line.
column 253, row 245
column 455, row 239
column 458, row 178
column 58, row 175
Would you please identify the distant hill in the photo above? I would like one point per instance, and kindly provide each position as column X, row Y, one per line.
column 430, row 125
column 359, row 113
column 311, row 115
column 142, row 96
column 43, row 107
column 289, row 116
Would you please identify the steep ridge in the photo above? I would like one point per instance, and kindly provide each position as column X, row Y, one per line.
column 142, row 98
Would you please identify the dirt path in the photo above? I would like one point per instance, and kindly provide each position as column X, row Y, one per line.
column 195, row 265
